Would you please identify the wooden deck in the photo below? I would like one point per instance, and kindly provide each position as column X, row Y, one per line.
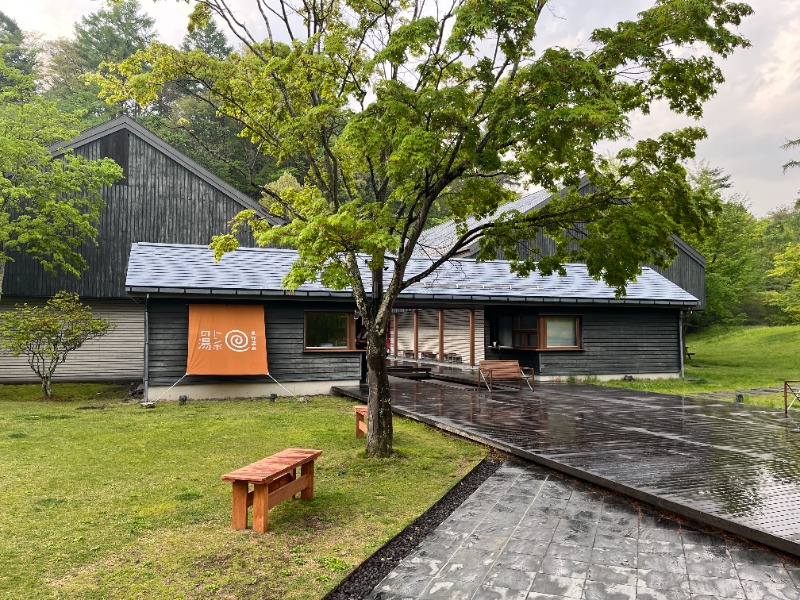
column 732, row 466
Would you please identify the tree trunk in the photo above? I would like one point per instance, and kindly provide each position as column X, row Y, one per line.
column 47, row 386
column 2, row 272
column 379, row 428
column 379, row 425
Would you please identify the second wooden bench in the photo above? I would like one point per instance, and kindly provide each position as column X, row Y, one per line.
column 361, row 423
column 501, row 371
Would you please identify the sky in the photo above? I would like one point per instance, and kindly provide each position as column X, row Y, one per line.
column 754, row 113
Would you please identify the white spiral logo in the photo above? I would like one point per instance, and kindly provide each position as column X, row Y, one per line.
column 237, row 340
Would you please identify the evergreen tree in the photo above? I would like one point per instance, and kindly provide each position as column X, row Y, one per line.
column 14, row 50
column 111, row 34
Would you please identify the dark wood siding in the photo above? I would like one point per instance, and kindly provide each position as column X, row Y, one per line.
column 159, row 201
column 689, row 273
column 615, row 341
column 169, row 330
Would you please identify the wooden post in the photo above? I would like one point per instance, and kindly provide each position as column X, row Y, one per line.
column 239, row 511
column 416, row 334
column 260, row 508
column 471, row 337
column 307, row 472
column 441, row 335
column 396, row 319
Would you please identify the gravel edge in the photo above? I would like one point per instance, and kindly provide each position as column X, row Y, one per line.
column 361, row 581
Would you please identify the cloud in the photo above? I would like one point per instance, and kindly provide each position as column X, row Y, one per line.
column 779, row 73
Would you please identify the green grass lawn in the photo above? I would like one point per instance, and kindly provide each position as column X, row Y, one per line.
column 738, row 358
column 125, row 502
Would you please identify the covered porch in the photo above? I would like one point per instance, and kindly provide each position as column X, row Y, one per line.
column 447, row 336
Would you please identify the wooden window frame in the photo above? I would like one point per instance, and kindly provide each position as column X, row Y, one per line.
column 524, row 331
column 543, row 335
column 351, row 333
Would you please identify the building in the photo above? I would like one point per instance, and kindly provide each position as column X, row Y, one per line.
column 163, row 197
column 465, row 311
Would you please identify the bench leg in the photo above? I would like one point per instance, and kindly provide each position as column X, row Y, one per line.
column 260, row 508
column 307, row 470
column 361, row 426
column 239, row 510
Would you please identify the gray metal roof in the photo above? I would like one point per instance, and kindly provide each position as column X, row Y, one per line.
column 438, row 239
column 189, row 269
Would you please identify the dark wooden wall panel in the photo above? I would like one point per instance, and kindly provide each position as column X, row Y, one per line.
column 615, row 341
column 169, row 330
column 160, row 201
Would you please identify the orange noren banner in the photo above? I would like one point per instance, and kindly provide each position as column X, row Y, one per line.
column 226, row 340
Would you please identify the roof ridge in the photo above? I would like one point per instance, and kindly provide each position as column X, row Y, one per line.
column 125, row 122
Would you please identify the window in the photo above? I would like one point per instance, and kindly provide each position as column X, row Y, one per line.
column 560, row 331
column 330, row 331
column 537, row 332
column 505, row 331
column 525, row 332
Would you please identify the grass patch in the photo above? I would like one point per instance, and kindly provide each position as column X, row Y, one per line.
column 128, row 502
column 731, row 359
column 64, row 392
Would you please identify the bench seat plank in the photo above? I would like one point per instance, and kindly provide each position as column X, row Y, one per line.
column 273, row 467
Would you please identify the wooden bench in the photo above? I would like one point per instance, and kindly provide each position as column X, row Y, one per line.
column 361, row 423
column 688, row 354
column 500, row 371
column 274, row 480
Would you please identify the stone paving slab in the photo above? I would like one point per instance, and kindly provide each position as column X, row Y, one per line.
column 529, row 533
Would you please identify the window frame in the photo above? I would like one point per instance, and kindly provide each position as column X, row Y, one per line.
column 351, row 333
column 541, row 332
column 526, row 331
column 578, row 321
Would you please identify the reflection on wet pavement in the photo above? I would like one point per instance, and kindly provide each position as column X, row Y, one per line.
column 733, row 466
column 530, row 534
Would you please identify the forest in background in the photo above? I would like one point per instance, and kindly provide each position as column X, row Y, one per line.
column 753, row 263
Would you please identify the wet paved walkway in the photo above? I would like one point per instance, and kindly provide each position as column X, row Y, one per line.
column 732, row 466
column 530, row 534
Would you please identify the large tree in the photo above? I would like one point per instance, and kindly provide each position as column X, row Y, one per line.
column 48, row 206
column 15, row 49
column 734, row 270
column 110, row 34
column 400, row 104
column 786, row 273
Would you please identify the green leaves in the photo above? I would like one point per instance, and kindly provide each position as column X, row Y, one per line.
column 644, row 55
column 48, row 207
column 787, row 267
column 45, row 335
